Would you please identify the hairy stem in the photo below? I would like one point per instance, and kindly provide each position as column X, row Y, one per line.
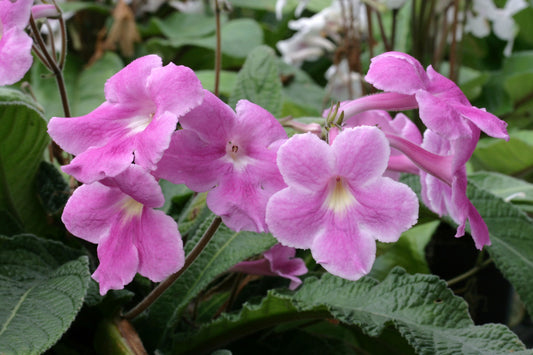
column 218, row 50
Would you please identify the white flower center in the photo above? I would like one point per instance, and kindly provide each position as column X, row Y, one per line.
column 131, row 208
column 236, row 154
column 139, row 123
column 339, row 198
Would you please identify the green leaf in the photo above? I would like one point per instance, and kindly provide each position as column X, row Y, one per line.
column 515, row 156
column 227, row 80
column 258, row 81
column 238, row 38
column 42, row 290
column 52, row 188
column 22, row 141
column 178, row 25
column 273, row 309
column 511, row 234
column 425, row 312
column 408, row 252
column 225, row 249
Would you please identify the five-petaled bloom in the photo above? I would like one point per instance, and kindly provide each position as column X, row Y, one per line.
column 337, row 202
column 143, row 103
column 118, row 214
column 231, row 155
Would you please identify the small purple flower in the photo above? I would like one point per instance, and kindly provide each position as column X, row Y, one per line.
column 277, row 261
column 15, row 44
column 337, row 202
column 232, row 156
column 444, row 108
column 143, row 103
column 131, row 235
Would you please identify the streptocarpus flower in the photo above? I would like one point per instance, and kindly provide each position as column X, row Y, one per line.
column 131, row 235
column 277, row 261
column 337, row 202
column 233, row 156
column 143, row 103
column 15, row 44
column 443, row 107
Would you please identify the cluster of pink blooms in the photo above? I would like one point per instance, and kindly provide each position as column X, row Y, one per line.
column 335, row 198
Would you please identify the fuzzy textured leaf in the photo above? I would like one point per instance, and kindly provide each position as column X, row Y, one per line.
column 41, row 290
column 22, row 141
column 225, row 249
column 258, row 81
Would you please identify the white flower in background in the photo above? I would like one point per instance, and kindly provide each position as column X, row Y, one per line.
column 343, row 84
column 280, row 4
column 394, row 4
column 321, row 32
column 189, row 7
column 503, row 25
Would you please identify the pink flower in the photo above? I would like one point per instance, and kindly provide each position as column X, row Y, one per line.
column 444, row 108
column 143, row 103
column 278, row 261
column 233, row 156
column 131, row 236
column 337, row 202
column 15, row 44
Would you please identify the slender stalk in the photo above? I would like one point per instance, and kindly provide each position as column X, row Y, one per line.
column 382, row 32
column 453, row 47
column 469, row 273
column 218, row 50
column 393, row 31
column 164, row 285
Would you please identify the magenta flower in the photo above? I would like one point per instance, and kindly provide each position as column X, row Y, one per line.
column 443, row 178
column 131, row 235
column 443, row 107
column 400, row 126
column 278, row 261
column 15, row 44
column 337, row 202
column 233, row 156
column 143, row 103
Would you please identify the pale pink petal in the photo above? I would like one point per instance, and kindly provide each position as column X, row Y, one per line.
column 105, row 124
column 15, row 13
column 296, row 217
column 139, row 184
column 306, row 162
column 118, row 255
column 441, row 116
column 15, row 54
column 175, row 88
column 405, row 128
column 151, row 143
column 435, row 193
column 345, row 253
column 91, row 210
column 283, row 263
column 409, row 75
column 213, row 120
column 257, row 125
column 192, row 161
column 159, row 245
column 485, row 121
column 445, row 89
column 361, row 154
column 129, row 85
column 385, row 209
column 112, row 160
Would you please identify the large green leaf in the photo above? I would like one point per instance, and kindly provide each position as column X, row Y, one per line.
column 511, row 234
column 424, row 311
column 22, row 141
column 42, row 287
column 258, row 81
column 225, row 249
column 238, row 38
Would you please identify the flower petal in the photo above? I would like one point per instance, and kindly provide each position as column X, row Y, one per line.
column 344, row 253
column 361, row 153
column 306, row 162
column 129, row 85
column 295, row 217
column 258, row 124
column 91, row 210
column 409, row 75
column 15, row 54
column 485, row 121
column 118, row 255
column 159, row 245
column 15, row 13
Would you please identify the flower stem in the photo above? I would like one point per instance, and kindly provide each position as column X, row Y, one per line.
column 218, row 50
column 162, row 287
column 469, row 273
